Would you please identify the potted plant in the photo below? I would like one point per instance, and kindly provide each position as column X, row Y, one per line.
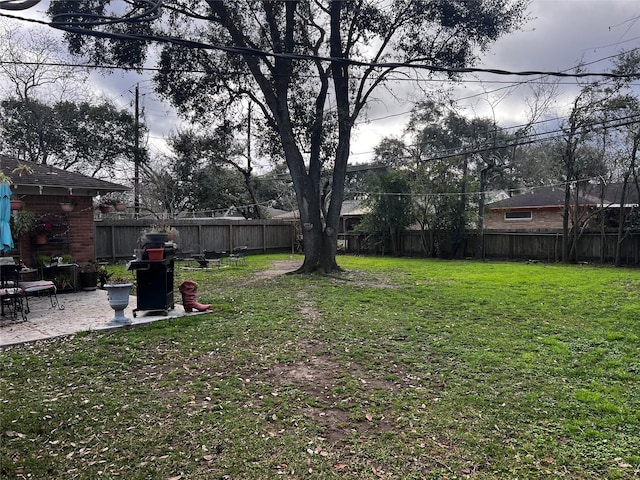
column 42, row 231
column 104, row 207
column 103, row 275
column 118, row 290
column 43, row 261
column 88, row 275
column 64, row 281
column 22, row 169
column 118, row 202
column 160, row 233
column 23, row 222
column 16, row 204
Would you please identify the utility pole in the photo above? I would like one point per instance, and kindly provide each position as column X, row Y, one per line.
column 136, row 158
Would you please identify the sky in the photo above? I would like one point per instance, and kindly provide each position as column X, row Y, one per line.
column 559, row 35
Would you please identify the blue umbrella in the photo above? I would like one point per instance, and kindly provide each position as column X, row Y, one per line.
column 6, row 240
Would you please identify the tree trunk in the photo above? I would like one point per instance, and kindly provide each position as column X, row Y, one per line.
column 565, row 223
column 622, row 216
column 575, row 227
column 621, row 220
column 481, row 202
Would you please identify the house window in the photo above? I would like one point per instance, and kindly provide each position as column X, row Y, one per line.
column 518, row 215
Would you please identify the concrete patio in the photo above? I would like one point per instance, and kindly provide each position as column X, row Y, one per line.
column 83, row 310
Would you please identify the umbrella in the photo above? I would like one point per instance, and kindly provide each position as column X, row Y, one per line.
column 6, row 240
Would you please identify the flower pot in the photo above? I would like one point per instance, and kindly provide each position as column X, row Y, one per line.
column 155, row 253
column 88, row 280
column 41, row 238
column 105, row 208
column 156, row 237
column 67, row 207
column 120, row 207
column 17, row 204
column 118, row 296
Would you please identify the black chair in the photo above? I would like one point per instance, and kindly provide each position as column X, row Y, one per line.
column 12, row 296
column 238, row 256
column 214, row 258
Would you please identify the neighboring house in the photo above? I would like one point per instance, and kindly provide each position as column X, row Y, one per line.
column 351, row 215
column 43, row 189
column 542, row 208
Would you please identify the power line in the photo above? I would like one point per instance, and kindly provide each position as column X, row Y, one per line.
column 530, row 139
column 152, row 12
column 522, row 140
column 203, row 71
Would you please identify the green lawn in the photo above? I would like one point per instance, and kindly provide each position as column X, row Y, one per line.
column 399, row 369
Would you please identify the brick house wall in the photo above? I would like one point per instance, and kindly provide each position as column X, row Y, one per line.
column 77, row 238
column 541, row 219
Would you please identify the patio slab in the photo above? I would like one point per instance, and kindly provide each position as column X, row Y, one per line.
column 83, row 311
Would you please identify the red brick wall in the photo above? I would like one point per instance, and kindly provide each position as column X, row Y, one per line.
column 78, row 240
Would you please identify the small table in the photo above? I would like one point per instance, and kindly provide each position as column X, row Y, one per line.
column 64, row 281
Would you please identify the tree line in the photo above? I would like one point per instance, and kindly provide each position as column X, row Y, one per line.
column 442, row 169
column 285, row 82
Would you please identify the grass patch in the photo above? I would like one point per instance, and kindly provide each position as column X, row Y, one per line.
column 398, row 368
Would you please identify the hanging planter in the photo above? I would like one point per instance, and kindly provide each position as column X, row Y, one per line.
column 68, row 204
column 105, row 208
column 41, row 238
column 120, row 207
column 17, row 205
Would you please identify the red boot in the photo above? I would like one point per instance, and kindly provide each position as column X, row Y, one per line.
column 188, row 290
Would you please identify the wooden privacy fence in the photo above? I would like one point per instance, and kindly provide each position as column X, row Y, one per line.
column 118, row 238
column 541, row 246
column 591, row 247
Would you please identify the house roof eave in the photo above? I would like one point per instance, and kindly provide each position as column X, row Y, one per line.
column 49, row 180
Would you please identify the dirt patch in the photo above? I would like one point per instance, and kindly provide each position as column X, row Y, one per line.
column 309, row 311
column 279, row 268
column 363, row 279
column 315, row 375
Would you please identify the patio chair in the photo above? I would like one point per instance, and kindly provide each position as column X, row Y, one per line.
column 215, row 258
column 11, row 295
column 196, row 254
column 39, row 287
column 238, row 256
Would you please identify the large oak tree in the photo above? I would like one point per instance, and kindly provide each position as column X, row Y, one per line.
column 312, row 67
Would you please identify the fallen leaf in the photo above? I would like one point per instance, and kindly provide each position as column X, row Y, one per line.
column 340, row 466
column 378, row 472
